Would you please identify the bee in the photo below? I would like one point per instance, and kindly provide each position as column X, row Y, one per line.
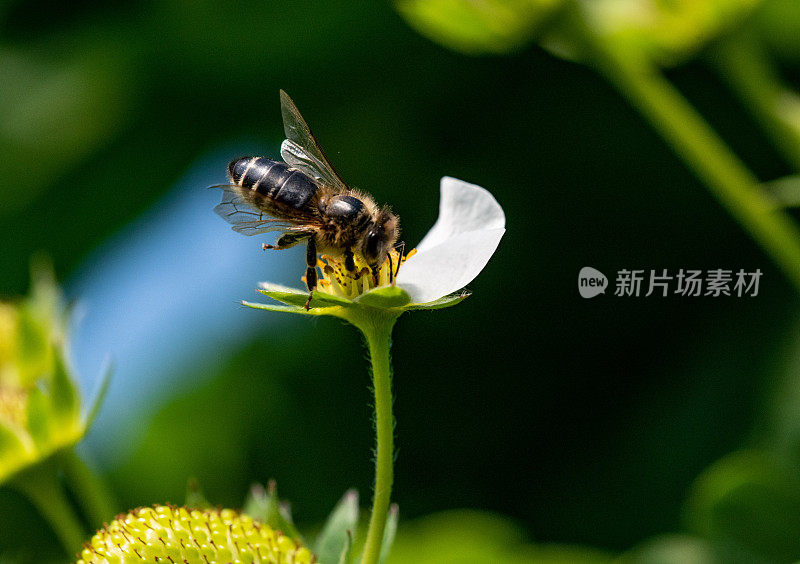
column 306, row 199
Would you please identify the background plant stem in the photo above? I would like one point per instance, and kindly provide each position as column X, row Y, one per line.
column 742, row 63
column 90, row 491
column 642, row 83
column 377, row 332
column 42, row 487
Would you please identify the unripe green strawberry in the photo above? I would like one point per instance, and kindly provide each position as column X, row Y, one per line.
column 167, row 534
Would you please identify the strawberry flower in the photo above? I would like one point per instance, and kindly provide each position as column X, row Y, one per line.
column 455, row 250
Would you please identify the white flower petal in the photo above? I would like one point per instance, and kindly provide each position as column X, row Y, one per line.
column 448, row 267
column 463, row 207
column 458, row 246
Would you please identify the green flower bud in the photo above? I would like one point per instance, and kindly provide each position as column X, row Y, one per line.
column 491, row 26
column 668, row 31
column 177, row 534
column 39, row 401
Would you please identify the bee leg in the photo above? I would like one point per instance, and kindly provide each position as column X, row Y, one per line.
column 285, row 241
column 400, row 248
column 349, row 262
column 311, row 269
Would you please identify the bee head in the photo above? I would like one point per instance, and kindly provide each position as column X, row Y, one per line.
column 381, row 236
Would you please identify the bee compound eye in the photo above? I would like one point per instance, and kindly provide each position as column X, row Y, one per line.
column 372, row 244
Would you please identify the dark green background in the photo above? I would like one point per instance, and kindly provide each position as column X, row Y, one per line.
column 585, row 420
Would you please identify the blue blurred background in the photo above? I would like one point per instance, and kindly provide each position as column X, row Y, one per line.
column 562, row 419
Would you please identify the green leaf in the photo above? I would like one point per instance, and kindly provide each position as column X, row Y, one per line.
column 384, row 297
column 333, row 541
column 685, row 549
column 389, row 532
column 480, row 538
column 443, row 302
column 489, row 26
column 749, row 500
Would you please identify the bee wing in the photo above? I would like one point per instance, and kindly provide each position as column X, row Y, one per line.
column 301, row 150
column 297, row 157
column 244, row 218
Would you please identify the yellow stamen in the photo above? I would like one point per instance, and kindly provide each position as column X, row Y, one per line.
column 335, row 279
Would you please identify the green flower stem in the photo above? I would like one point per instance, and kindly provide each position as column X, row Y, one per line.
column 742, row 62
column 697, row 144
column 377, row 329
column 97, row 502
column 42, row 487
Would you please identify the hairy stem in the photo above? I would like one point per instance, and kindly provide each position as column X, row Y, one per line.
column 377, row 332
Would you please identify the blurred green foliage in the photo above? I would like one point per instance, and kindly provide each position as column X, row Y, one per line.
column 584, row 422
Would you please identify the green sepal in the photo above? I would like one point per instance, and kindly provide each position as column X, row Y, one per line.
column 263, row 505
column 333, row 541
column 64, row 399
column 384, row 297
column 282, row 308
column 389, row 532
column 195, row 498
column 38, row 424
column 441, row 303
column 346, row 557
column 12, row 452
column 33, row 345
column 257, row 503
column 293, row 296
column 99, row 395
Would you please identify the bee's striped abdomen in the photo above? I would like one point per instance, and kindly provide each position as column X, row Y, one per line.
column 274, row 180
